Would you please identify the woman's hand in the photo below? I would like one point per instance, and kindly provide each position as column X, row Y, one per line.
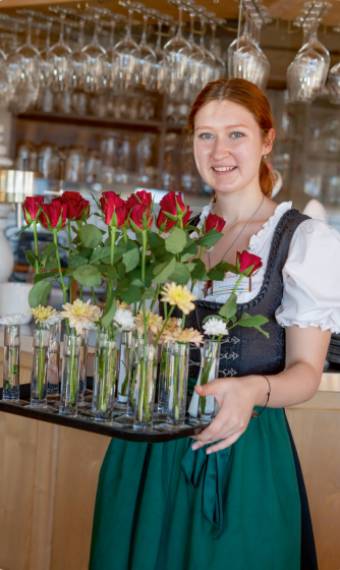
column 236, row 398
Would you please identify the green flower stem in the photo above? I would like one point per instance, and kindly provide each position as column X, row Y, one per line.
column 62, row 283
column 41, row 370
column 36, row 248
column 165, row 322
column 13, row 366
column 102, row 365
column 204, row 380
column 73, row 373
column 113, row 231
column 144, row 248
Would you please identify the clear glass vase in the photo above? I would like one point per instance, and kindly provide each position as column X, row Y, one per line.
column 163, row 378
column 83, row 368
column 143, row 383
column 125, row 364
column 41, row 338
column 177, row 381
column 200, row 407
column 105, row 377
column 53, row 371
column 70, row 375
column 11, row 374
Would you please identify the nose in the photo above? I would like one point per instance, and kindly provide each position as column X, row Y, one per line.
column 220, row 149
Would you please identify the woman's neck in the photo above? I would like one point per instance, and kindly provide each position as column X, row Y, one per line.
column 234, row 208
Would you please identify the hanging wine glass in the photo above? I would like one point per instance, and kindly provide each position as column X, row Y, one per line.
column 58, row 62
column 245, row 57
column 97, row 67
column 6, row 85
column 127, row 53
column 307, row 73
column 23, row 69
column 176, row 50
column 162, row 70
column 219, row 66
column 333, row 84
column 147, row 61
column 196, row 59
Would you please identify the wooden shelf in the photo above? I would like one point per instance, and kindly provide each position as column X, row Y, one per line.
column 89, row 120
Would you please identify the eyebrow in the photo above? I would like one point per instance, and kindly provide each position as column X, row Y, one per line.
column 227, row 127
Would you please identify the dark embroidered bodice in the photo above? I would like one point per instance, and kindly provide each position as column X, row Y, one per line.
column 246, row 351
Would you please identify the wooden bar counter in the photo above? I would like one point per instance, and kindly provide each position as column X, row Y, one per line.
column 48, row 479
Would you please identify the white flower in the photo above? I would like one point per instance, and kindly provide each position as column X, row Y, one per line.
column 81, row 315
column 124, row 319
column 215, row 327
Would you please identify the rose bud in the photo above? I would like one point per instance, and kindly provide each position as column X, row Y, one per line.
column 248, row 262
column 53, row 215
column 214, row 222
column 32, row 208
column 173, row 210
column 77, row 207
column 141, row 217
column 141, row 197
column 113, row 208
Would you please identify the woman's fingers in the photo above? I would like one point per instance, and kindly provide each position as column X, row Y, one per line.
column 227, row 442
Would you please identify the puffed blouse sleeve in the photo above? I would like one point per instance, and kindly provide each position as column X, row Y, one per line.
column 311, row 278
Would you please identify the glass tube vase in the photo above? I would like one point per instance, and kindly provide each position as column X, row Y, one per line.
column 105, row 377
column 11, row 373
column 125, row 364
column 177, row 381
column 143, row 383
column 70, row 375
column 41, row 338
column 201, row 407
column 53, row 376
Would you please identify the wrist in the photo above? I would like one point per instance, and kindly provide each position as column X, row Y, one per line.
column 260, row 389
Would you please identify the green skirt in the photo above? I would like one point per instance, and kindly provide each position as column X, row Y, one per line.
column 166, row 507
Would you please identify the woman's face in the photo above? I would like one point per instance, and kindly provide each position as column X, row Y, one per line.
column 228, row 146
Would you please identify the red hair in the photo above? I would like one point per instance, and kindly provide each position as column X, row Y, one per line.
column 249, row 96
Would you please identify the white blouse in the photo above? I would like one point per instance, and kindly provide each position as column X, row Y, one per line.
column 311, row 274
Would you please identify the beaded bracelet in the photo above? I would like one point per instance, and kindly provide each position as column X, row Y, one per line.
column 257, row 414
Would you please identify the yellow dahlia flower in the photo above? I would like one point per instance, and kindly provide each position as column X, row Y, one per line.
column 179, row 296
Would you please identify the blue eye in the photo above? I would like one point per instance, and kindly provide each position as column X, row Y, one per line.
column 205, row 136
column 236, row 135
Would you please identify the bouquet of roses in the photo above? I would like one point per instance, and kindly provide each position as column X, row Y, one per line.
column 142, row 256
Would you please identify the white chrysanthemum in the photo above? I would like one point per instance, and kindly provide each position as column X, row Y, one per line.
column 45, row 315
column 81, row 315
column 124, row 319
column 215, row 327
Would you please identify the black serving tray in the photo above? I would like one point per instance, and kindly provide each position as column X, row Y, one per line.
column 119, row 427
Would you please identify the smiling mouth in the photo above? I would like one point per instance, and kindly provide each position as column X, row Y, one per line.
column 223, row 169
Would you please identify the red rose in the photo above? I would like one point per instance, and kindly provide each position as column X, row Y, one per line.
column 249, row 262
column 173, row 210
column 32, row 208
column 140, row 197
column 214, row 222
column 141, row 216
column 53, row 215
column 113, row 208
column 77, row 207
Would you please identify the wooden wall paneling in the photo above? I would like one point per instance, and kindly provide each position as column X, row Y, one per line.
column 27, row 450
column 80, row 455
column 317, row 437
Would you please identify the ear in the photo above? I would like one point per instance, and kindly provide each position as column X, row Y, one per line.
column 269, row 141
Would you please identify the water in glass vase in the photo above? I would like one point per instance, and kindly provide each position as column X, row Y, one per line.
column 177, row 382
column 105, row 377
column 200, row 407
column 11, row 381
column 70, row 376
column 143, row 384
column 41, row 337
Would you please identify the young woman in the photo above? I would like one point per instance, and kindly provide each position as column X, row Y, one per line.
column 234, row 499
